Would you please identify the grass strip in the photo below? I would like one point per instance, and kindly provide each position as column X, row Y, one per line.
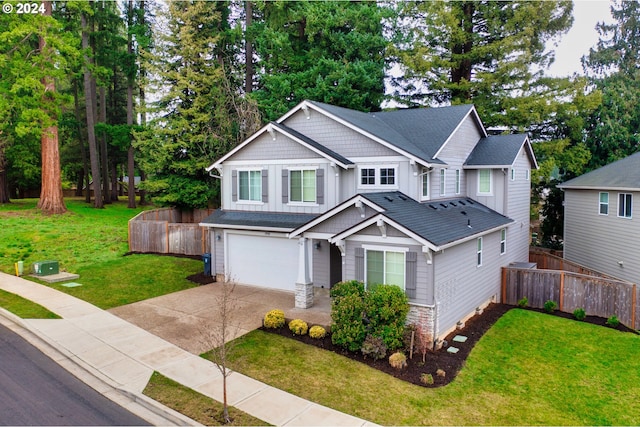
column 24, row 308
column 193, row 404
column 529, row 369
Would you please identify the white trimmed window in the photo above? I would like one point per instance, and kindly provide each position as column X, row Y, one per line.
column 457, row 181
column 442, row 182
column 625, row 201
column 527, row 174
column 425, row 192
column 378, row 176
column 513, row 174
column 604, row 203
column 250, row 185
column 302, row 185
column 503, row 241
column 384, row 267
column 484, row 181
column 479, row 253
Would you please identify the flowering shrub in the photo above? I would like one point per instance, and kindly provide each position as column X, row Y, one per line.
column 274, row 319
column 298, row 327
column 317, row 332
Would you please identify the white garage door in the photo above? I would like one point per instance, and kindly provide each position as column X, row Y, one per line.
column 270, row 262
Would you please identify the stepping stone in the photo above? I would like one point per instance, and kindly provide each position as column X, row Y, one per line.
column 453, row 350
column 71, row 285
column 459, row 338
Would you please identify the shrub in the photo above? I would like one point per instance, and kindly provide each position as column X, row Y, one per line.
column 374, row 347
column 317, row 332
column 348, row 329
column 523, row 302
column 398, row 360
column 579, row 314
column 550, row 306
column 386, row 308
column 426, row 379
column 441, row 373
column 298, row 327
column 351, row 287
column 274, row 319
column 613, row 321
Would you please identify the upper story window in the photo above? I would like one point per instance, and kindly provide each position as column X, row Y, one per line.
column 503, row 241
column 513, row 174
column 302, row 185
column 425, row 191
column 527, row 174
column 378, row 176
column 624, row 205
column 479, row 253
column 484, row 181
column 604, row 203
column 443, row 182
column 250, row 185
column 457, row 181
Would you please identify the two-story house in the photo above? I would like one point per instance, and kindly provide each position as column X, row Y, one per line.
column 421, row 198
column 599, row 224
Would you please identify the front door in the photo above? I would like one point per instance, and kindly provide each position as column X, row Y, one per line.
column 335, row 265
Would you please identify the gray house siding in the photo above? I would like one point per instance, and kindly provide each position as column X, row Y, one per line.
column 336, row 136
column 265, row 148
column 460, row 285
column 217, row 251
column 424, row 279
column 517, row 208
column 602, row 241
column 274, row 193
column 321, row 263
column 342, row 220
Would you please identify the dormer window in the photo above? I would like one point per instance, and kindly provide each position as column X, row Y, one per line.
column 383, row 176
column 484, row 181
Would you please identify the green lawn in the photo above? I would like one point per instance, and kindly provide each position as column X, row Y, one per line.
column 24, row 308
column 92, row 243
column 529, row 369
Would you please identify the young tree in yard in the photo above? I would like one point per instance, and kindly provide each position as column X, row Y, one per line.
column 219, row 336
column 331, row 52
column 488, row 53
column 201, row 114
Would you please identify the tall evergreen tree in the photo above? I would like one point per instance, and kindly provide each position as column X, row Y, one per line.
column 488, row 53
column 331, row 52
column 200, row 114
column 614, row 68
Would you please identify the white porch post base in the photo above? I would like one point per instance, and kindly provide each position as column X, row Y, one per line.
column 304, row 295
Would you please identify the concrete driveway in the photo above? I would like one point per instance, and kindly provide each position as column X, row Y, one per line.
column 183, row 318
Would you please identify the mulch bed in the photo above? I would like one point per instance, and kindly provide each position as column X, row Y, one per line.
column 450, row 363
column 201, row 279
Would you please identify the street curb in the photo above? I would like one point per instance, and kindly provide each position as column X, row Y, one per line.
column 137, row 403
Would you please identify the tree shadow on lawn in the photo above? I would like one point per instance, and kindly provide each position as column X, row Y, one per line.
column 443, row 360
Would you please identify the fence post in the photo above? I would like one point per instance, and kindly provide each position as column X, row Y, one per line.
column 166, row 227
column 504, row 285
column 561, row 297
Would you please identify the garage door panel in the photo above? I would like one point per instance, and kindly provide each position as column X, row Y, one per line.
column 262, row 261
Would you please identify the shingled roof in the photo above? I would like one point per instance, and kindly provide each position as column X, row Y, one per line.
column 420, row 131
column 275, row 220
column 440, row 222
column 623, row 174
column 499, row 151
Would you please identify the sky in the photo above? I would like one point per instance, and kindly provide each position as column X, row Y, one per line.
column 581, row 37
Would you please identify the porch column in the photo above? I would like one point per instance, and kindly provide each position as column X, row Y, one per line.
column 304, row 286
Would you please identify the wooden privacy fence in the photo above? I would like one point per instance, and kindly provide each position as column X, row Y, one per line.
column 545, row 260
column 169, row 231
column 598, row 296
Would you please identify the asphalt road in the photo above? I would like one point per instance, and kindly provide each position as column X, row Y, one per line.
column 34, row 390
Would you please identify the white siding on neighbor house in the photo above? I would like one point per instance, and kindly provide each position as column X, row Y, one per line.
column 599, row 241
column 424, row 283
column 336, row 136
column 518, row 208
column 460, row 285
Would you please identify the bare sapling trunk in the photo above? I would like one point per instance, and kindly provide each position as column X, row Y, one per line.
column 219, row 336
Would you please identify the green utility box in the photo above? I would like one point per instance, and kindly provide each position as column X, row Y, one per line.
column 45, row 268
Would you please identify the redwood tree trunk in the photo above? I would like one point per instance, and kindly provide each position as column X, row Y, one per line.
column 131, row 191
column 51, row 199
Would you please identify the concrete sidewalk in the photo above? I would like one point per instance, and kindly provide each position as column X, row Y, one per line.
column 117, row 358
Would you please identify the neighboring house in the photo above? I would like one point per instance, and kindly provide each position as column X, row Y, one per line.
column 600, row 231
column 421, row 198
